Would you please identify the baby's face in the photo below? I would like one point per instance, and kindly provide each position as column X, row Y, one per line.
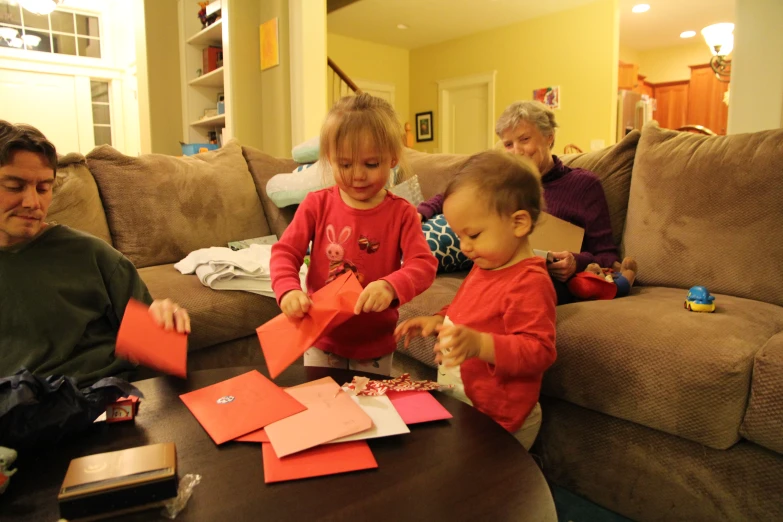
column 486, row 237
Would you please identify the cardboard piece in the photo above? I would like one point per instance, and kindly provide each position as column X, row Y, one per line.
column 316, row 462
column 140, row 340
column 284, row 340
column 330, row 414
column 417, row 406
column 385, row 419
column 553, row 234
column 239, row 405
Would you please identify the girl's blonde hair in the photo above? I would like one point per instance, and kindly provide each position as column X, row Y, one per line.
column 354, row 118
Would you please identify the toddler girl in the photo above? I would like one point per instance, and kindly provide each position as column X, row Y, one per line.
column 358, row 226
column 497, row 337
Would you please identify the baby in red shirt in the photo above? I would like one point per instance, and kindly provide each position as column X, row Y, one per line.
column 497, row 337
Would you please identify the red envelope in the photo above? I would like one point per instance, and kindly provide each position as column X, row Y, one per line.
column 254, row 436
column 417, row 406
column 316, row 462
column 141, row 340
column 239, row 405
column 284, row 340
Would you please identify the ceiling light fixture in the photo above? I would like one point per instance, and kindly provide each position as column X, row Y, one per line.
column 720, row 40
column 640, row 8
column 31, row 40
column 40, row 7
column 687, row 34
column 8, row 34
column 402, row 26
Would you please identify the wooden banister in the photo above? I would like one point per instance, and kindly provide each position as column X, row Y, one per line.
column 344, row 77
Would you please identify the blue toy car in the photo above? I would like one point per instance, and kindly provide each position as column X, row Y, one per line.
column 699, row 300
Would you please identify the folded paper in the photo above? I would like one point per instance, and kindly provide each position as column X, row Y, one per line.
column 386, row 421
column 284, row 340
column 141, row 340
column 240, row 405
column 316, row 462
column 254, row 436
column 417, row 406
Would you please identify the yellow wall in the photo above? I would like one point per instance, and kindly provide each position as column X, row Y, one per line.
column 163, row 80
column 276, row 87
column 245, row 54
column 628, row 55
column 575, row 49
column 362, row 60
column 670, row 64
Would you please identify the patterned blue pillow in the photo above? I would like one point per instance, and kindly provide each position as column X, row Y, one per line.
column 444, row 244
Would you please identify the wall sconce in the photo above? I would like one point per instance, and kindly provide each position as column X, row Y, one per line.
column 720, row 40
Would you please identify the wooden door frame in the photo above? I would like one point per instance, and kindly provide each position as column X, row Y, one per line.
column 444, row 116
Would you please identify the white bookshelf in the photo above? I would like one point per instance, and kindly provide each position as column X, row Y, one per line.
column 200, row 92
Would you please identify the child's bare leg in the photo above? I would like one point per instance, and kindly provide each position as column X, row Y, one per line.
column 594, row 268
column 629, row 269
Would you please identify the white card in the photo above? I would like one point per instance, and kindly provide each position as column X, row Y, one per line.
column 385, row 419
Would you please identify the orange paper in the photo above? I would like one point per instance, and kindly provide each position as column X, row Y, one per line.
column 254, row 436
column 316, row 462
column 330, row 414
column 284, row 340
column 237, row 406
column 140, row 340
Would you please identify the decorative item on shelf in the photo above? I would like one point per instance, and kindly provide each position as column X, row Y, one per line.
column 212, row 58
column 221, row 103
column 549, row 96
column 209, row 13
column 189, row 149
column 213, row 137
column 720, row 40
column 198, row 73
column 424, row 126
column 209, row 113
column 270, row 50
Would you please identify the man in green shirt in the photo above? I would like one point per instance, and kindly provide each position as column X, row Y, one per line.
column 63, row 293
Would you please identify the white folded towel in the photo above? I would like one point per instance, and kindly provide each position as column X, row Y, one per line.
column 221, row 268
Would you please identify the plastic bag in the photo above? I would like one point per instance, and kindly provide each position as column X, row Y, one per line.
column 36, row 410
column 173, row 506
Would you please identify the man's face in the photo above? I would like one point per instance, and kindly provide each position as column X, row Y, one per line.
column 25, row 195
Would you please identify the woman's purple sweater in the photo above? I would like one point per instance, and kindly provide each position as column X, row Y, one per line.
column 576, row 196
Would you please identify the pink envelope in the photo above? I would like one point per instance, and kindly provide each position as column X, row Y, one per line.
column 417, row 406
column 284, row 340
column 239, row 405
column 316, row 462
column 330, row 414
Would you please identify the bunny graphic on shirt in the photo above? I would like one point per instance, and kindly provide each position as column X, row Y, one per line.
column 335, row 252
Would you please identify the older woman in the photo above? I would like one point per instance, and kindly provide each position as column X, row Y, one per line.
column 527, row 128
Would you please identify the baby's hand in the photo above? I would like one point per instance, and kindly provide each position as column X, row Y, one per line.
column 456, row 343
column 418, row 326
column 376, row 297
column 295, row 304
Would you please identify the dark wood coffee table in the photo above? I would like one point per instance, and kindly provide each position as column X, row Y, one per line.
column 465, row 468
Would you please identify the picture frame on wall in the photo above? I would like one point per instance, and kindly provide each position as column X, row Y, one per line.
column 424, row 130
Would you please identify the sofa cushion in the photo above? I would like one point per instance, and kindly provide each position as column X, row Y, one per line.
column 161, row 208
column 705, row 210
column 434, row 170
column 217, row 316
column 613, row 166
column 262, row 167
column 763, row 423
column 646, row 359
column 429, row 302
column 76, row 201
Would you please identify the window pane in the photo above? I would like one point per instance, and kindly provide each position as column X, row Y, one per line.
column 43, row 45
column 64, row 44
column 9, row 13
column 89, row 47
column 100, row 91
column 62, row 22
column 36, row 21
column 102, row 136
column 100, row 114
column 87, row 25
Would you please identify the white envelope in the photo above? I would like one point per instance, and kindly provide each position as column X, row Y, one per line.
column 385, row 419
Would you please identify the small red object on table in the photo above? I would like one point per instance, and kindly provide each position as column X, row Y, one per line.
column 124, row 409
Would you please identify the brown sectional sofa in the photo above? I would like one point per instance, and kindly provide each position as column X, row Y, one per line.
column 652, row 411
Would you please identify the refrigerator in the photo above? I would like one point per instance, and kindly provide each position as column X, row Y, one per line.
column 633, row 111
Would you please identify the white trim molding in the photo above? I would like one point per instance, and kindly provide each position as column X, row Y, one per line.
column 445, row 117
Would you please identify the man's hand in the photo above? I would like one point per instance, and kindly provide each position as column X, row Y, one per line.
column 423, row 326
column 170, row 316
column 376, row 297
column 564, row 267
column 295, row 304
column 456, row 343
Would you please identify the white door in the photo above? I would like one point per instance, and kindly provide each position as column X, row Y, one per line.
column 467, row 108
column 378, row 89
column 46, row 101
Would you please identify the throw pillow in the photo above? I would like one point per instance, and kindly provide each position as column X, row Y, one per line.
column 410, row 190
column 291, row 188
column 75, row 200
column 444, row 244
column 262, row 167
column 161, row 208
column 306, row 152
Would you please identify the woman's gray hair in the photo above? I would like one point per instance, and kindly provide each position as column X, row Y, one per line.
column 533, row 112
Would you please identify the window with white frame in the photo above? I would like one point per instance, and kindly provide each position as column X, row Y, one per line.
column 101, row 112
column 60, row 32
